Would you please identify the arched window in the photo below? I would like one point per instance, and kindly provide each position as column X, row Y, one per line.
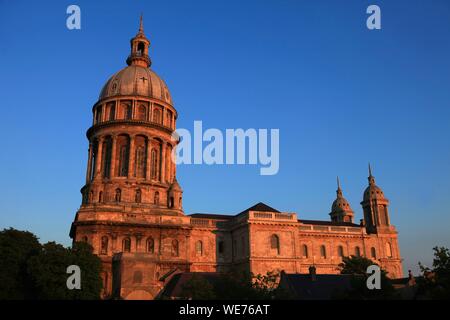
column 221, row 247
column 154, row 165
column 180, row 201
column 275, row 243
column 373, row 253
column 139, row 162
column 141, row 48
column 169, row 118
column 156, row 199
column 104, row 245
column 357, row 252
column 140, row 143
column 91, row 196
column 323, row 252
column 100, row 196
column 150, row 245
column 128, row 112
column 126, row 245
column 106, row 157
column 112, row 112
column 305, row 251
column 157, row 115
column 340, row 251
column 199, row 248
column 123, row 145
column 171, row 202
column 98, row 117
column 138, row 196
column 175, row 248
column 118, row 196
column 142, row 112
column 388, row 250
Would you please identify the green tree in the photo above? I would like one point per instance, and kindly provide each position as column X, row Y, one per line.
column 235, row 285
column 16, row 247
column 435, row 282
column 357, row 267
column 48, row 272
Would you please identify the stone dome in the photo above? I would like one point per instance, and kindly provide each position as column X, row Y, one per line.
column 136, row 80
column 340, row 204
column 373, row 192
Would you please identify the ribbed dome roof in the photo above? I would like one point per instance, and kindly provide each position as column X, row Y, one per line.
column 373, row 192
column 138, row 81
column 340, row 204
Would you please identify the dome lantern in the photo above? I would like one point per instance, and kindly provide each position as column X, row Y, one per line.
column 139, row 48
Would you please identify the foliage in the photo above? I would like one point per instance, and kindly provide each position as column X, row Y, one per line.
column 34, row 271
column 435, row 282
column 235, row 286
column 198, row 288
column 48, row 271
column 357, row 267
column 16, row 247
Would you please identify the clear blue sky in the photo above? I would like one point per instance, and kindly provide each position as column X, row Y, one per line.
column 340, row 94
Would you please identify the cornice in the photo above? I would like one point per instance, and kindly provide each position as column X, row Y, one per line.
column 131, row 122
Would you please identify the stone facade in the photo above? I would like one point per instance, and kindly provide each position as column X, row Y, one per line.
column 131, row 211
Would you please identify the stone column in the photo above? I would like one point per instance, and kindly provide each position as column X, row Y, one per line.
column 163, row 162
column 89, row 164
column 148, row 159
column 113, row 157
column 169, row 165
column 98, row 158
column 174, row 166
column 131, row 158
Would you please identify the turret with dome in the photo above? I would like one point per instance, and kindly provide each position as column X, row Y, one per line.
column 340, row 209
column 375, row 207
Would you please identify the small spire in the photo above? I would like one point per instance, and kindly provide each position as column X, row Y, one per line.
column 371, row 178
column 141, row 24
column 339, row 190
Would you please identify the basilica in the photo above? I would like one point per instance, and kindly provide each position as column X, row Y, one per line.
column 132, row 213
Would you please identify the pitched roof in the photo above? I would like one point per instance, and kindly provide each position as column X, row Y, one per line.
column 210, row 216
column 260, row 206
column 324, row 287
column 174, row 288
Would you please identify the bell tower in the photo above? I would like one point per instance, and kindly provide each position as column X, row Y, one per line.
column 375, row 207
